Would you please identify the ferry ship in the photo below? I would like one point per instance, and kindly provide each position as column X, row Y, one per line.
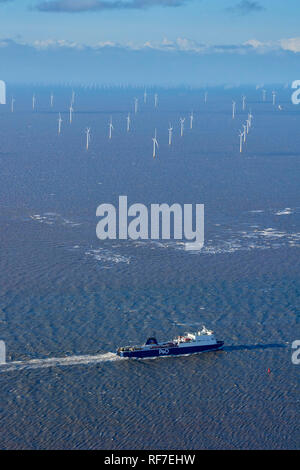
column 190, row 343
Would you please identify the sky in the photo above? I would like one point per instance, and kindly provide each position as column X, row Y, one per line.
column 233, row 41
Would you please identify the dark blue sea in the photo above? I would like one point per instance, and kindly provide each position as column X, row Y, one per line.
column 68, row 299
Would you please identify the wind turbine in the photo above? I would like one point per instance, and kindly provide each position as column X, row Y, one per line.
column 155, row 144
column 59, row 123
column 111, row 127
column 155, row 100
column 71, row 112
column 205, row 97
column 248, row 125
column 250, row 116
column 264, row 95
column 51, row 100
column 88, row 137
column 128, row 122
column 136, row 102
column 274, row 97
column 73, row 97
column 33, row 102
column 244, row 133
column 12, row 104
column 233, row 109
column 191, row 120
column 181, row 126
column 145, row 96
column 244, row 102
column 241, row 135
column 170, row 134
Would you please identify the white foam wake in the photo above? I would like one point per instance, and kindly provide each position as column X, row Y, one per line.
column 58, row 361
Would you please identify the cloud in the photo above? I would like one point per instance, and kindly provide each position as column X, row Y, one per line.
column 287, row 45
column 55, row 44
column 244, row 7
column 291, row 44
column 180, row 44
column 75, row 6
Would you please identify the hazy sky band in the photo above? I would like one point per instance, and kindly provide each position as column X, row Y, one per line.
column 210, row 28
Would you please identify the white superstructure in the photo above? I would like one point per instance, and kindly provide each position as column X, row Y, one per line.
column 199, row 338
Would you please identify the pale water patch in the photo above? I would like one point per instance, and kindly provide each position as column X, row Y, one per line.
column 253, row 237
column 107, row 256
column 52, row 218
column 286, row 211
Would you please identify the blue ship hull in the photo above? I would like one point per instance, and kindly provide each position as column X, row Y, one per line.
column 170, row 351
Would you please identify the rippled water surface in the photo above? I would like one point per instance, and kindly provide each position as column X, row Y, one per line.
column 68, row 300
